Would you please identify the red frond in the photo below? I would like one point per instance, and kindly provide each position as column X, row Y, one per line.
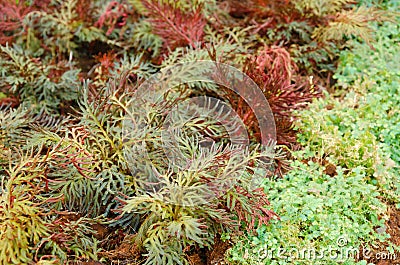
column 114, row 16
column 174, row 26
column 279, row 11
column 11, row 18
column 255, row 213
column 276, row 74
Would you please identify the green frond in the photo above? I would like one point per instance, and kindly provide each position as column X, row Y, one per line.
column 59, row 28
column 35, row 81
column 13, row 126
column 19, row 214
column 354, row 22
column 144, row 39
column 321, row 7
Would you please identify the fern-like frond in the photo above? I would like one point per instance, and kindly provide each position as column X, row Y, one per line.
column 354, row 22
column 144, row 39
column 59, row 26
column 42, row 86
column 176, row 27
column 14, row 127
column 11, row 19
column 321, row 7
column 22, row 223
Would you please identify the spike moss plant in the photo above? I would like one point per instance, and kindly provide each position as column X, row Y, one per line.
column 84, row 158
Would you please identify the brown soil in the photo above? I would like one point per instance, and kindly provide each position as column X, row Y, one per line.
column 380, row 255
column 126, row 252
column 215, row 256
column 330, row 169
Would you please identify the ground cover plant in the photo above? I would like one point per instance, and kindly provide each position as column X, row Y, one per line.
column 349, row 143
column 84, row 168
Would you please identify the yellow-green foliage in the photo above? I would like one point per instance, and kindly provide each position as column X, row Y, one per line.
column 321, row 7
column 354, row 22
column 21, row 224
column 56, row 63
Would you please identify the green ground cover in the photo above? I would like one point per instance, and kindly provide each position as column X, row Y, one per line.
column 358, row 133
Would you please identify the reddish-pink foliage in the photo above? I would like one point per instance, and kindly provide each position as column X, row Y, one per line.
column 251, row 208
column 275, row 73
column 11, row 18
column 275, row 64
column 277, row 11
column 12, row 15
column 106, row 60
column 82, row 9
column 176, row 27
column 74, row 155
column 114, row 16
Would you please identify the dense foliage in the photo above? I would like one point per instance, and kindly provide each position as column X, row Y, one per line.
column 347, row 171
column 70, row 75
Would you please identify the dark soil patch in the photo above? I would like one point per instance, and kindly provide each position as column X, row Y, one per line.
column 380, row 255
column 215, row 256
column 127, row 253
